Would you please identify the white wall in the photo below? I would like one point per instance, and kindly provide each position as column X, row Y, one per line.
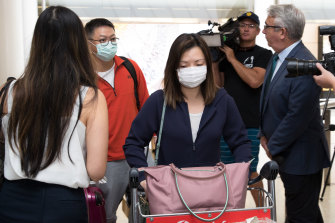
column 17, row 21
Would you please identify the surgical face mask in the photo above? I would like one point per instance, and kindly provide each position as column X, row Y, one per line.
column 106, row 52
column 192, row 77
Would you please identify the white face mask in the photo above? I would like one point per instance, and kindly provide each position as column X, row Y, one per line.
column 192, row 76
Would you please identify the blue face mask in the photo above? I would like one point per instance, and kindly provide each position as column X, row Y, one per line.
column 106, row 53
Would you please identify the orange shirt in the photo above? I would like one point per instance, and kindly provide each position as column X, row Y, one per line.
column 121, row 104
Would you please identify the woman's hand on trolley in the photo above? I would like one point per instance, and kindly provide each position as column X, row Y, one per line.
column 143, row 184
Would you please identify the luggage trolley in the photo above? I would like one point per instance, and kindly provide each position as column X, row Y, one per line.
column 267, row 213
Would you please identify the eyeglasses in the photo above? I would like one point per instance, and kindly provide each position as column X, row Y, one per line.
column 250, row 26
column 104, row 42
column 275, row 27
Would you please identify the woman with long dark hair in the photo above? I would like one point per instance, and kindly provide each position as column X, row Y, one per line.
column 55, row 126
column 197, row 114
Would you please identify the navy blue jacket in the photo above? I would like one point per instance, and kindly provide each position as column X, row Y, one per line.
column 221, row 117
column 291, row 122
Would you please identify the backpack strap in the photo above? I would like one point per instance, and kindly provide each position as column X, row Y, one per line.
column 3, row 93
column 132, row 72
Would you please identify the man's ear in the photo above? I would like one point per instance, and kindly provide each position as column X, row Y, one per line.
column 283, row 33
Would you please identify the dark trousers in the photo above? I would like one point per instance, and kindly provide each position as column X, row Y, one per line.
column 28, row 201
column 302, row 197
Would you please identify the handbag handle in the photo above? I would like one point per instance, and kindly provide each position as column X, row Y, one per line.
column 158, row 145
column 194, row 214
column 182, row 171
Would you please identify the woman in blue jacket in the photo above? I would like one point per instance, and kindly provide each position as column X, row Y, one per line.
column 198, row 113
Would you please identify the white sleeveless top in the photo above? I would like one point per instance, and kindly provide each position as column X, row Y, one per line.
column 62, row 171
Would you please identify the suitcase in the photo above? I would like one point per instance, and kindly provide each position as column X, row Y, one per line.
column 95, row 203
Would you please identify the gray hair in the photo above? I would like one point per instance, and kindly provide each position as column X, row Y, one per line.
column 289, row 17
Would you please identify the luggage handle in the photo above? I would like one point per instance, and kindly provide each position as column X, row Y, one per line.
column 221, row 166
column 87, row 204
column 194, row 214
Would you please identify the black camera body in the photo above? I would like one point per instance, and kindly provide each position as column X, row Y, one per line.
column 297, row 67
column 228, row 35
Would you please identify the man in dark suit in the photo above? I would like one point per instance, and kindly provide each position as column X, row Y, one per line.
column 291, row 128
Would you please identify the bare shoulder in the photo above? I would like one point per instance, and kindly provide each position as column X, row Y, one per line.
column 93, row 104
column 93, row 96
column 89, row 95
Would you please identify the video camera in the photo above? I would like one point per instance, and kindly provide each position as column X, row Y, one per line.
column 228, row 35
column 297, row 67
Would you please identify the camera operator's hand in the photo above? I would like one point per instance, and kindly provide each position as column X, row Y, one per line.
column 229, row 53
column 264, row 144
column 253, row 77
column 326, row 79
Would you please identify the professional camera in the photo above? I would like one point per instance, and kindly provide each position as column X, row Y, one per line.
column 228, row 35
column 297, row 67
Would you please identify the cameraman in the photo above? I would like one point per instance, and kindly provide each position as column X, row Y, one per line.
column 242, row 74
column 326, row 79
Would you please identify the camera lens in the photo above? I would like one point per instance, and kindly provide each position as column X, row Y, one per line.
column 296, row 67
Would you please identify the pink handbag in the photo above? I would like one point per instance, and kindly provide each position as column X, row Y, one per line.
column 174, row 190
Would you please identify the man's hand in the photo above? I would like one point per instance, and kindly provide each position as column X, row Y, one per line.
column 326, row 79
column 264, row 144
column 253, row 77
column 229, row 53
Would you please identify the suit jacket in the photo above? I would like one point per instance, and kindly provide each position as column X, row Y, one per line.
column 291, row 121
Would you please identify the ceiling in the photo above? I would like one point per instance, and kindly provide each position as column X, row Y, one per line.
column 159, row 10
column 189, row 11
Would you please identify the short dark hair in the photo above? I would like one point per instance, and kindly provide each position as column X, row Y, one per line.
column 172, row 88
column 96, row 23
